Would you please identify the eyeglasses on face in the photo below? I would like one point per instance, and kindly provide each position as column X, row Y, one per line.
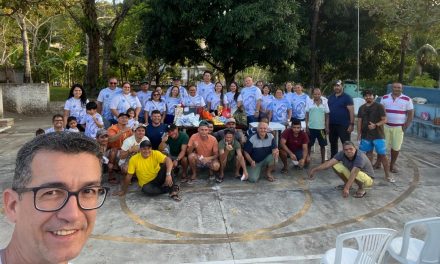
column 51, row 199
column 113, row 83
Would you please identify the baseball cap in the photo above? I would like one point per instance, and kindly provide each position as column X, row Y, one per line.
column 145, row 143
column 338, row 82
column 139, row 126
column 122, row 114
column 231, row 120
column 144, row 82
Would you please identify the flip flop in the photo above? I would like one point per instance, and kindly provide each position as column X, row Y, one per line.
column 359, row 195
column 219, row 179
column 390, row 179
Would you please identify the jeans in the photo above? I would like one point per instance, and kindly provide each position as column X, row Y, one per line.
column 337, row 132
column 155, row 187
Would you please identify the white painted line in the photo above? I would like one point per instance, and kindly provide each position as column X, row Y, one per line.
column 426, row 162
column 263, row 260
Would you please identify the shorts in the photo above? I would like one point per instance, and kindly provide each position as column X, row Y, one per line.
column 394, row 136
column 362, row 177
column 378, row 144
column 318, row 134
column 206, row 165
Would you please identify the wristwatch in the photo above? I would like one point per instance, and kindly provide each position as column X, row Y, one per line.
column 168, row 174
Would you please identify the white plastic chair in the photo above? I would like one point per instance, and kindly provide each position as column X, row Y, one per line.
column 407, row 249
column 372, row 244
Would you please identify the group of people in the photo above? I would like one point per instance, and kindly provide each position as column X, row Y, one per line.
column 138, row 137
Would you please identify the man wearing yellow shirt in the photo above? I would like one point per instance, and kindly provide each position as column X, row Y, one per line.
column 153, row 170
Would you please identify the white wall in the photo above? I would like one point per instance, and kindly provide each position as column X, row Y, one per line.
column 29, row 98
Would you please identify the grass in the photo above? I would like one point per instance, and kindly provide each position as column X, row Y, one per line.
column 58, row 93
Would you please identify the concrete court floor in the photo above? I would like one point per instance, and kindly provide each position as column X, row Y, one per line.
column 291, row 220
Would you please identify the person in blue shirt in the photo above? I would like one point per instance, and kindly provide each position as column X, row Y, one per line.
column 205, row 87
column 156, row 130
column 266, row 100
column 216, row 99
column 280, row 109
column 234, row 97
column 251, row 100
column 299, row 102
column 171, row 102
column 193, row 99
column 341, row 119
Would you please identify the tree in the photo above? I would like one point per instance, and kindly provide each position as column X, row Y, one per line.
column 228, row 35
column 406, row 17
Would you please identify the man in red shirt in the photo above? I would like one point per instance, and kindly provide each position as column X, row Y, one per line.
column 294, row 144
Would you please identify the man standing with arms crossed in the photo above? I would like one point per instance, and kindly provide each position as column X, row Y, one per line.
column 400, row 113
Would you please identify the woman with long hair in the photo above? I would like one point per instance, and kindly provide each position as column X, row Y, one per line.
column 125, row 100
column 217, row 99
column 234, row 98
column 76, row 105
column 266, row 100
column 171, row 102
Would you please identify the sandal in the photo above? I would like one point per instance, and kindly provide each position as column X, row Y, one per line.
column 390, row 179
column 359, row 195
column 174, row 194
column 219, row 179
column 270, row 178
column 394, row 170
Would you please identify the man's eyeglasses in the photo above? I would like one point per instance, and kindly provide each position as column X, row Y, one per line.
column 113, row 83
column 51, row 199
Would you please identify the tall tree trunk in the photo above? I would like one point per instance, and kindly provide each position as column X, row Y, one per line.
column 229, row 77
column 27, row 76
column 313, row 52
column 91, row 28
column 403, row 48
column 106, row 53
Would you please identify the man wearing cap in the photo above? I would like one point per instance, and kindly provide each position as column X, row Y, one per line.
column 341, row 117
column 105, row 97
column 176, row 142
column 102, row 140
column 130, row 146
column 182, row 91
column 144, row 95
column 203, row 151
column 117, row 134
column 352, row 166
column 230, row 125
column 153, row 170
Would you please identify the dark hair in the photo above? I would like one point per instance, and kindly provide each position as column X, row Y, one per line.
column 264, row 86
column 83, row 97
column 367, row 92
column 68, row 143
column 39, row 131
column 228, row 131
column 178, row 91
column 70, row 118
column 155, row 112
column 152, row 95
column 91, row 105
column 172, row 127
column 57, row 115
column 207, row 72
column 296, row 122
column 129, row 110
column 221, row 93
column 237, row 93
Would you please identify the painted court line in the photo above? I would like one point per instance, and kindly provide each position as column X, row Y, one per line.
column 263, row 260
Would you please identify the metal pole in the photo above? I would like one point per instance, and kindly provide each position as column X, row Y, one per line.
column 358, row 61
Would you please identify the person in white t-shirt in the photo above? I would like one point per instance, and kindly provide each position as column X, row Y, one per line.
column 76, row 105
column 104, row 100
column 205, row 87
column 125, row 100
column 94, row 121
column 57, row 121
column 144, row 95
column 130, row 146
column 399, row 110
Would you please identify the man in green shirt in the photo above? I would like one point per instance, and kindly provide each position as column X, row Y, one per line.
column 230, row 154
column 176, row 142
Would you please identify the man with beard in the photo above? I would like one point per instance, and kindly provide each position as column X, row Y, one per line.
column 371, row 119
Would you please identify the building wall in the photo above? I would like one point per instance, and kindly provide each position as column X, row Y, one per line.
column 30, row 98
column 1, row 102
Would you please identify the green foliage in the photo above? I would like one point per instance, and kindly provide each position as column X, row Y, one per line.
column 424, row 80
column 58, row 93
column 228, row 35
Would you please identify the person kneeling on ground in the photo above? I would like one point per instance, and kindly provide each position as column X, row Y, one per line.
column 231, row 156
column 351, row 165
column 261, row 152
column 153, row 176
